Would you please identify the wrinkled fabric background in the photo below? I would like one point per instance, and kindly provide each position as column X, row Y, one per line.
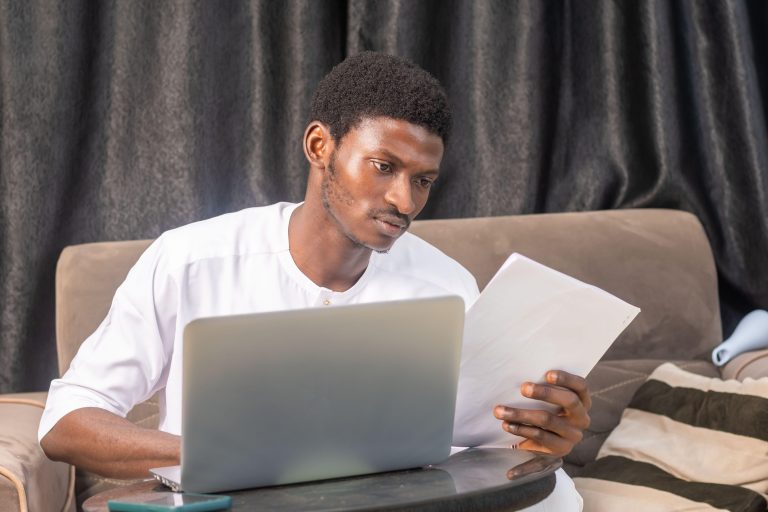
column 119, row 120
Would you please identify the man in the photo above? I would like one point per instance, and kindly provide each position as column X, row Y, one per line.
column 374, row 145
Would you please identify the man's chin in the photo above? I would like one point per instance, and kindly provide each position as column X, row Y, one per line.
column 375, row 240
column 382, row 245
column 381, row 248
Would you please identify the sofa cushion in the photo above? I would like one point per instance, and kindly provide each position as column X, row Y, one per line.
column 683, row 441
column 87, row 276
column 611, row 386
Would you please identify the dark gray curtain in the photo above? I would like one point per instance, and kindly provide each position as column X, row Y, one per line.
column 119, row 120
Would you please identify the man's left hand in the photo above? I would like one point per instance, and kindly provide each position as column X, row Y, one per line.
column 557, row 432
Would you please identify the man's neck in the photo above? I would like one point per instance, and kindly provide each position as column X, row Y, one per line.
column 322, row 253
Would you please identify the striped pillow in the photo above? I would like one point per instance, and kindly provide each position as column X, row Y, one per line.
column 685, row 442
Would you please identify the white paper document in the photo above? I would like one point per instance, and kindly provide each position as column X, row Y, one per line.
column 528, row 320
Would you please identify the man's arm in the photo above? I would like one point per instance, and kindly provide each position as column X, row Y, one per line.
column 101, row 442
column 554, row 433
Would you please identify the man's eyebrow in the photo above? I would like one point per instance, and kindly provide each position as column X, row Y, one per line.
column 394, row 159
column 388, row 155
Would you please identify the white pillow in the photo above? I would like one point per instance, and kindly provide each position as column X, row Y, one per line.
column 685, row 442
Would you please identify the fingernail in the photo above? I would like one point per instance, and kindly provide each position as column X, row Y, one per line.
column 552, row 377
column 527, row 389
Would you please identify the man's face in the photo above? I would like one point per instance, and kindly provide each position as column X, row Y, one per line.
column 378, row 180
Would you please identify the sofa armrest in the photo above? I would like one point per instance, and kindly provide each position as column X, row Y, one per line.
column 749, row 364
column 28, row 479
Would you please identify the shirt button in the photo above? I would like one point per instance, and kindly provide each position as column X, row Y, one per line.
column 326, row 302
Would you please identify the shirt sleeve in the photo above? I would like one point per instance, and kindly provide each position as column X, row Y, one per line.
column 124, row 362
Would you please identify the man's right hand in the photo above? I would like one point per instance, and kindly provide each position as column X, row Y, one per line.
column 106, row 444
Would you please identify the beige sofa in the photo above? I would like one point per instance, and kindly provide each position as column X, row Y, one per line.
column 659, row 260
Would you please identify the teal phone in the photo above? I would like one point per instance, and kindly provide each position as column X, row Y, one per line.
column 168, row 501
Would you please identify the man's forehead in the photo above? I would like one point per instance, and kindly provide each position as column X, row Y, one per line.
column 399, row 138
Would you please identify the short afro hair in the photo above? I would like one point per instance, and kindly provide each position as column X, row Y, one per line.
column 372, row 84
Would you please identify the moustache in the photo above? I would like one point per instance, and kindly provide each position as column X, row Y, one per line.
column 392, row 217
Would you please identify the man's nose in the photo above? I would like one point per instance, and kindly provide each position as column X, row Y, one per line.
column 400, row 195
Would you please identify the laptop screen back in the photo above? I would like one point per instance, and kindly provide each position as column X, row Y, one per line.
column 277, row 398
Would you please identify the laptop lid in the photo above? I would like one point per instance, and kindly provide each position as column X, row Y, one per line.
column 292, row 396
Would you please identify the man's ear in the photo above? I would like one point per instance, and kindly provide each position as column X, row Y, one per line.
column 318, row 144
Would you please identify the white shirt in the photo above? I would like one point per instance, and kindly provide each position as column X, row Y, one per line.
column 232, row 264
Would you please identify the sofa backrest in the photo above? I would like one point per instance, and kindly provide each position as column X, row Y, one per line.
column 659, row 260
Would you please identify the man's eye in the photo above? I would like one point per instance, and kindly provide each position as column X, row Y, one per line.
column 425, row 183
column 383, row 166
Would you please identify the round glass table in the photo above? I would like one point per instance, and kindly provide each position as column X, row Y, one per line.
column 492, row 479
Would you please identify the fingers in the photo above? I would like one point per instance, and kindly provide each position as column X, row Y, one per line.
column 559, row 441
column 541, row 426
column 534, row 446
column 570, row 400
column 533, row 465
column 545, row 431
column 574, row 383
column 543, row 441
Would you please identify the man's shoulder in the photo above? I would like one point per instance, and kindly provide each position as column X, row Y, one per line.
column 248, row 231
column 418, row 259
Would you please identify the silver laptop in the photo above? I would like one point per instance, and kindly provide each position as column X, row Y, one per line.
column 293, row 396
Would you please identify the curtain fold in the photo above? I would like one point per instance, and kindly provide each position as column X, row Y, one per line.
column 119, row 120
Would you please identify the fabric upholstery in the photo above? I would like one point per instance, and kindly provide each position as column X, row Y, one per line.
column 611, row 385
column 28, row 480
column 750, row 364
column 86, row 279
column 691, row 440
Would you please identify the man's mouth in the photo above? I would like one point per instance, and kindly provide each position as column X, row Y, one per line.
column 391, row 226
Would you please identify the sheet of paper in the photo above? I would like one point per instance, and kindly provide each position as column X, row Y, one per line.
column 529, row 319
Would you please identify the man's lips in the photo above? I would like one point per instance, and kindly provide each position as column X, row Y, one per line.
column 391, row 226
column 395, row 222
